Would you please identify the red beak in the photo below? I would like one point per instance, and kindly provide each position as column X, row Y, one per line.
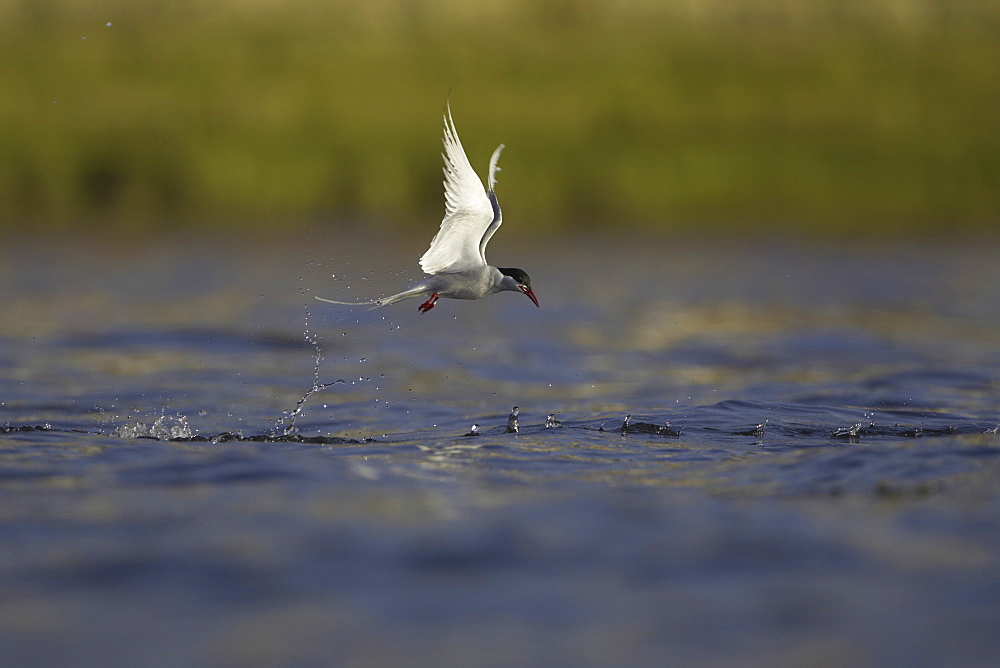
column 531, row 295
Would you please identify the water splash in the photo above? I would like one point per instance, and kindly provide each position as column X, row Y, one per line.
column 8, row 428
column 852, row 433
column 757, row 431
column 629, row 427
column 512, row 422
column 285, row 426
column 168, row 427
column 163, row 428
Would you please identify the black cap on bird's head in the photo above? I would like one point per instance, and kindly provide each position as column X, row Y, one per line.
column 523, row 282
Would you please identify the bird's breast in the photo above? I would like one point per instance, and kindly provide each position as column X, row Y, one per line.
column 472, row 284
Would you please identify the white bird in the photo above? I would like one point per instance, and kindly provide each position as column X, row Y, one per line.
column 456, row 260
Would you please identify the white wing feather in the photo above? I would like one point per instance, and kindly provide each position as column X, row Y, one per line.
column 497, row 217
column 494, row 167
column 468, row 211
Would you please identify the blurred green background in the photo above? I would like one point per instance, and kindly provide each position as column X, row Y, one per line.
column 881, row 116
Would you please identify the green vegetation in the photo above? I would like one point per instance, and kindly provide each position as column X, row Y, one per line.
column 824, row 116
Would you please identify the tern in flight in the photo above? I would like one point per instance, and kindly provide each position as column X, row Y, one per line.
column 456, row 260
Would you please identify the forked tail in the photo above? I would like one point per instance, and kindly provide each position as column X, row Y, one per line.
column 340, row 303
column 417, row 291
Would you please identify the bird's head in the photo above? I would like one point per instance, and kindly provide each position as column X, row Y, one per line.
column 517, row 279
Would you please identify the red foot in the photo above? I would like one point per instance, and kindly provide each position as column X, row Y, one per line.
column 429, row 304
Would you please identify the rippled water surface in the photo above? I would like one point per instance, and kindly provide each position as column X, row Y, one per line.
column 810, row 472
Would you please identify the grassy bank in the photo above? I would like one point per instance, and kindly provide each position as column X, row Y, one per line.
column 829, row 116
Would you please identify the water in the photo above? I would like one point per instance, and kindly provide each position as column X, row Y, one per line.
column 201, row 463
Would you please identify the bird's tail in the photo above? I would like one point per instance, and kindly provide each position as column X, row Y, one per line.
column 417, row 291
column 334, row 301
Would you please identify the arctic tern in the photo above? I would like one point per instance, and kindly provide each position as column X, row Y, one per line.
column 456, row 260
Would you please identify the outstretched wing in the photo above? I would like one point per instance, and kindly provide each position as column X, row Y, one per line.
column 470, row 216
